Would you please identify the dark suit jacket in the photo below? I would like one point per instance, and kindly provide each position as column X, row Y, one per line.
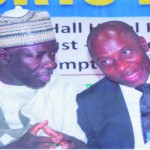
column 103, row 116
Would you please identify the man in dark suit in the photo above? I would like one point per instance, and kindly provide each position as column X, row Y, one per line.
column 109, row 111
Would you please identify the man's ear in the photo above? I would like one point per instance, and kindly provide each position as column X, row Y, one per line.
column 4, row 56
column 144, row 43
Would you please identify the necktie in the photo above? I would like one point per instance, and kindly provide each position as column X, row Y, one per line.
column 145, row 109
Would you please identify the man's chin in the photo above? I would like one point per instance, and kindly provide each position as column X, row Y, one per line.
column 37, row 85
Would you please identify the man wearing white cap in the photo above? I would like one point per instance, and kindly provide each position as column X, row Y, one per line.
column 34, row 113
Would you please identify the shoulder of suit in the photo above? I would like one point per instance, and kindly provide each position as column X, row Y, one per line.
column 99, row 84
column 97, row 90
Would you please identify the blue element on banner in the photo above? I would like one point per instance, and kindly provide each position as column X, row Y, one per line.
column 80, row 8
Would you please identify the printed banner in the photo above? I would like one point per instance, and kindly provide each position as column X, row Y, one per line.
column 83, row 8
column 74, row 19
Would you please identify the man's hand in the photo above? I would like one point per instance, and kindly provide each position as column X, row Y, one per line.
column 70, row 142
column 32, row 141
column 66, row 141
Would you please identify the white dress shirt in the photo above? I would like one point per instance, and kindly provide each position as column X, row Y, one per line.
column 132, row 98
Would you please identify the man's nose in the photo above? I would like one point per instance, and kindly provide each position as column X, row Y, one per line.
column 121, row 65
column 48, row 62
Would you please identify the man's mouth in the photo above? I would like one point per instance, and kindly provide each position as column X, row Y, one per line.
column 43, row 75
column 44, row 78
column 134, row 76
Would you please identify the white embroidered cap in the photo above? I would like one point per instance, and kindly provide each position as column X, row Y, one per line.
column 19, row 27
